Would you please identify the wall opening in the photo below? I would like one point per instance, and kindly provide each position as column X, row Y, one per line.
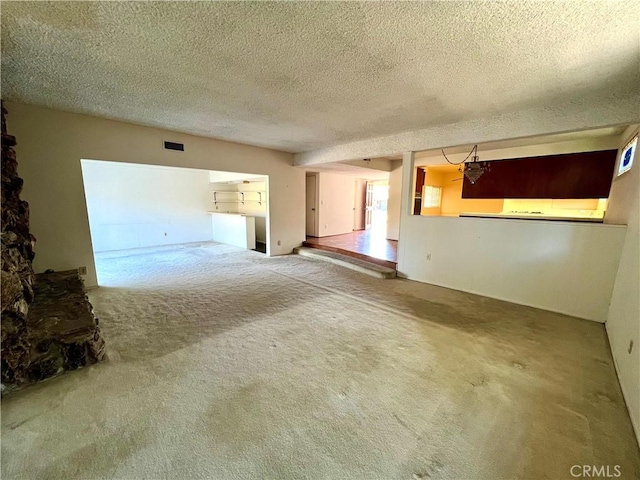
column 134, row 206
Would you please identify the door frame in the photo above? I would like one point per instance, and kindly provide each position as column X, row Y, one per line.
column 316, row 219
column 368, row 204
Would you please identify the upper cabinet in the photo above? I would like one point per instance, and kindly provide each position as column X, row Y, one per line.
column 572, row 175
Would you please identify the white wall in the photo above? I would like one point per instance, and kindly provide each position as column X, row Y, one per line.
column 559, row 266
column 393, row 204
column 134, row 206
column 623, row 321
column 51, row 144
column 336, row 204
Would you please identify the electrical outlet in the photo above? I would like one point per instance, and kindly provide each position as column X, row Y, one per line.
column 428, row 257
column 630, row 346
column 279, row 243
column 82, row 270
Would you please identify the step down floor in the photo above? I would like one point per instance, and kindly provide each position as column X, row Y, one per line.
column 348, row 262
column 350, row 252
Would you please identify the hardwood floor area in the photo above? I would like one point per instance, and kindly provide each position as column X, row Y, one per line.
column 368, row 245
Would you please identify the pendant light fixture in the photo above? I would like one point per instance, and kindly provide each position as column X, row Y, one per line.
column 472, row 170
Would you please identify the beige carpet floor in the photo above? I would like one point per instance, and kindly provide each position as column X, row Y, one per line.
column 227, row 364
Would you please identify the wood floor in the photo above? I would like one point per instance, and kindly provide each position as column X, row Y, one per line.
column 368, row 245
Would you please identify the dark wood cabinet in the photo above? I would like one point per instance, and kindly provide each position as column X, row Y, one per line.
column 572, row 175
column 417, row 197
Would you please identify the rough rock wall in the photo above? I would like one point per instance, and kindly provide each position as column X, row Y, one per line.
column 63, row 332
column 48, row 326
column 17, row 273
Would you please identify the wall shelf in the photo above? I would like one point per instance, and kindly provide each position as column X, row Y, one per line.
column 239, row 197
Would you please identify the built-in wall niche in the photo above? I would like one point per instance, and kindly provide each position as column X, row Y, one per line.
column 232, row 196
column 246, row 197
column 241, row 197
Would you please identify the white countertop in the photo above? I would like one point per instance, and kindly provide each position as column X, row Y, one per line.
column 229, row 213
column 532, row 216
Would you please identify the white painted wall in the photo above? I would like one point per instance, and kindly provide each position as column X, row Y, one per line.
column 51, row 144
column 336, row 204
column 222, row 177
column 133, row 206
column 559, row 266
column 393, row 204
column 623, row 321
column 234, row 229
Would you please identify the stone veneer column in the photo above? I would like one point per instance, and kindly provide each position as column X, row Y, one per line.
column 17, row 272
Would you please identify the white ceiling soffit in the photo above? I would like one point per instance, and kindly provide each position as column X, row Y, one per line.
column 225, row 177
column 586, row 140
column 351, row 170
column 595, row 137
column 600, row 139
column 307, row 76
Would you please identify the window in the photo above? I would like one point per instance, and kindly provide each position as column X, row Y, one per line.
column 626, row 157
column 432, row 196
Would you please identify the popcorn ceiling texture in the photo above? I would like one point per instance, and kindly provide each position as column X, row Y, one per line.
column 307, row 76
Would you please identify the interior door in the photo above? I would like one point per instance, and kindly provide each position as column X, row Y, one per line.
column 368, row 210
column 359, row 205
column 311, row 202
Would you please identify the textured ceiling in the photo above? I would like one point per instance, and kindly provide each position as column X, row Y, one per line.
column 609, row 132
column 303, row 76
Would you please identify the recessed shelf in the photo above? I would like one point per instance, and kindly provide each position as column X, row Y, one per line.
column 241, row 197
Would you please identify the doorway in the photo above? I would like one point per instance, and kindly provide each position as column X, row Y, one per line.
column 312, row 205
column 376, row 200
column 133, row 207
column 348, row 215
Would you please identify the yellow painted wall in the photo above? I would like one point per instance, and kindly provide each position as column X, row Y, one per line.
column 454, row 204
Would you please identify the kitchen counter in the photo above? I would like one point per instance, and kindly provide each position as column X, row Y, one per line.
column 532, row 216
column 234, row 229
column 227, row 213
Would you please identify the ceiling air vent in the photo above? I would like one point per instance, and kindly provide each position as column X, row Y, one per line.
column 174, row 146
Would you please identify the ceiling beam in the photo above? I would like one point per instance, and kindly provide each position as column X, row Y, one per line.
column 580, row 114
